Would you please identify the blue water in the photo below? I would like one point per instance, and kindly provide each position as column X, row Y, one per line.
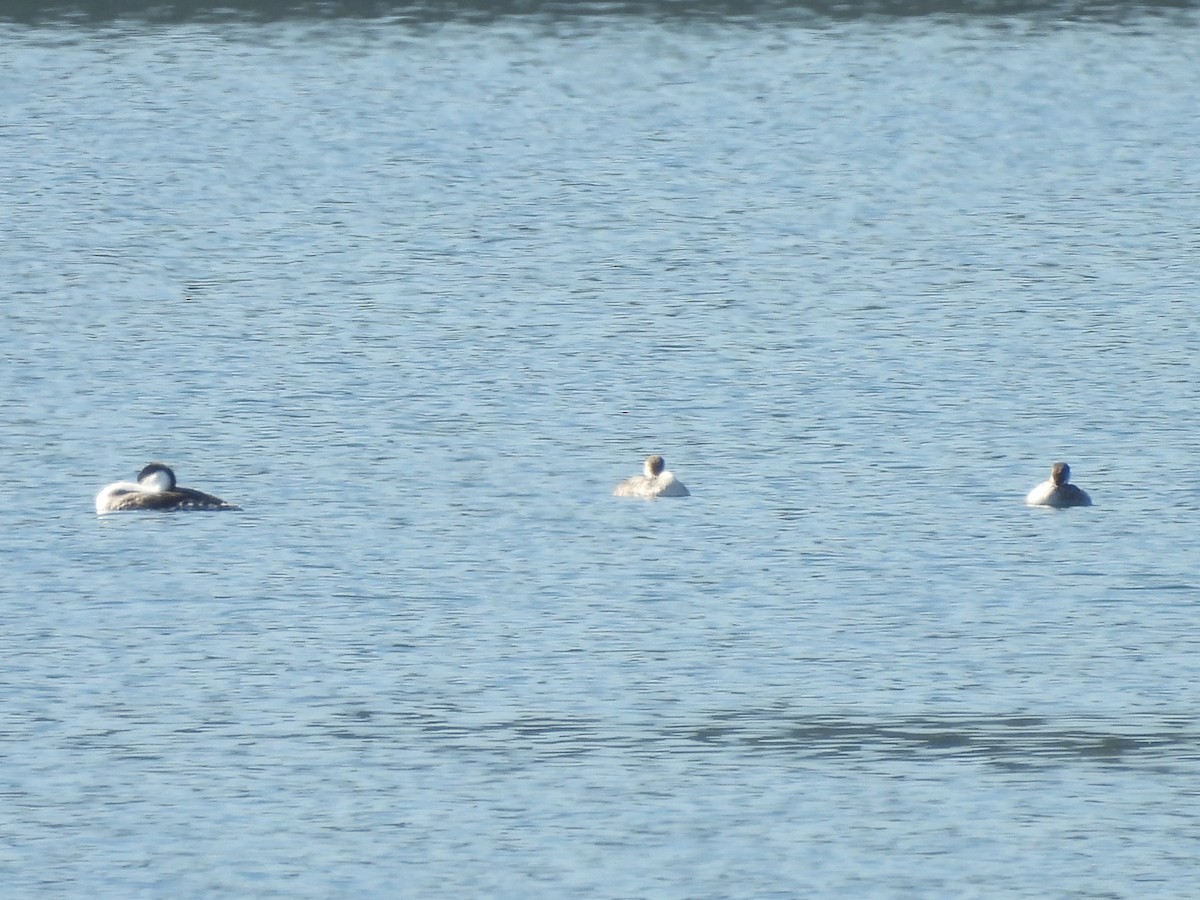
column 418, row 290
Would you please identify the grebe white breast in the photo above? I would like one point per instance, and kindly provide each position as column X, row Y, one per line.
column 1057, row 491
column 655, row 481
column 155, row 489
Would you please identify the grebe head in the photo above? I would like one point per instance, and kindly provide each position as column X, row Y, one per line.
column 157, row 477
column 1060, row 474
column 654, row 465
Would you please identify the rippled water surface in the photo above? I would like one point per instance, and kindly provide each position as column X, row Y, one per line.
column 417, row 291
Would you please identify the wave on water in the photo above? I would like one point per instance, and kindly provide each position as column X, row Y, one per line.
column 1004, row 741
column 438, row 11
column 1007, row 741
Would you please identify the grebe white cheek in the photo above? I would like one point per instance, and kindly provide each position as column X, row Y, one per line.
column 157, row 477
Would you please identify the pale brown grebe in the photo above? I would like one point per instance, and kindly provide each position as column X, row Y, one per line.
column 655, row 482
column 1057, row 491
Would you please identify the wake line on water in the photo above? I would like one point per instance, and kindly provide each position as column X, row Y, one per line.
column 1006, row 742
column 1012, row 742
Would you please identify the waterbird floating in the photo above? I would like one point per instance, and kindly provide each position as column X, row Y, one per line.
column 655, row 482
column 1057, row 491
column 155, row 489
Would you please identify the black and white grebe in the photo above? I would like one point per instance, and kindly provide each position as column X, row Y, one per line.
column 155, row 488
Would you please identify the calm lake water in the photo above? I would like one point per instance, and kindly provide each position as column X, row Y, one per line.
column 417, row 289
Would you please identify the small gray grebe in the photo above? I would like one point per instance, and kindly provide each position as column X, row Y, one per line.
column 1058, row 492
column 656, row 482
column 155, row 489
